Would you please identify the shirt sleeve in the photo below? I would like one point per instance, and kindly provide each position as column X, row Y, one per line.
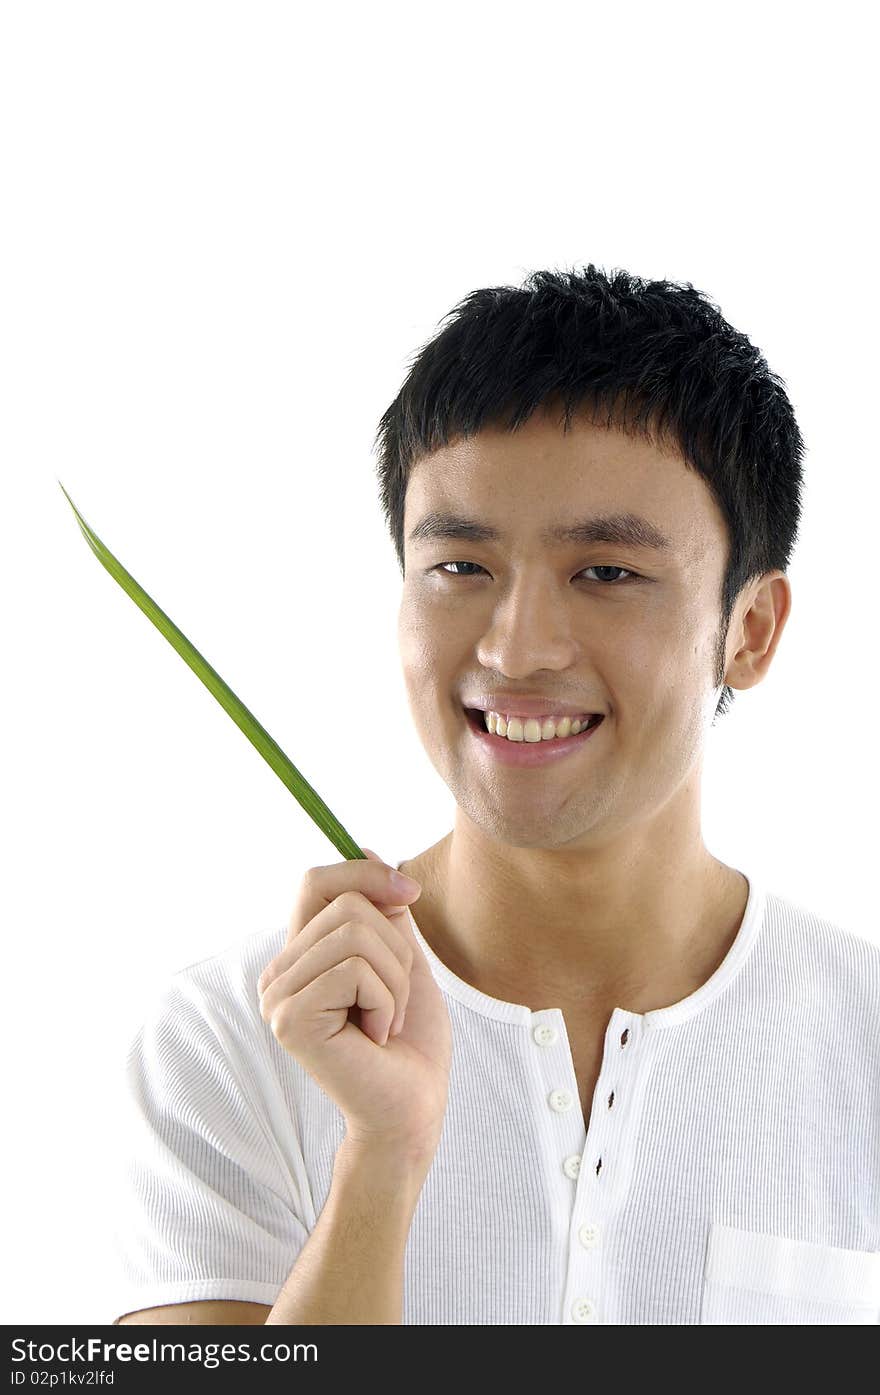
column 206, row 1207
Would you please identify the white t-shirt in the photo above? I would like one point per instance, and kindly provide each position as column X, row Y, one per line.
column 730, row 1172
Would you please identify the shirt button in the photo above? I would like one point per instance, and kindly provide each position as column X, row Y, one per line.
column 572, row 1166
column 583, row 1310
column 560, row 1100
column 588, row 1235
column 544, row 1034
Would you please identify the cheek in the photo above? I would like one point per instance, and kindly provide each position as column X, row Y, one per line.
column 656, row 681
column 430, row 648
column 669, row 654
column 413, row 637
column 421, row 664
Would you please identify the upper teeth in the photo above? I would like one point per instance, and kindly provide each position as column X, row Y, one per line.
column 534, row 728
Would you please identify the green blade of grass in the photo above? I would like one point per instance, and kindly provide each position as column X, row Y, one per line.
column 271, row 752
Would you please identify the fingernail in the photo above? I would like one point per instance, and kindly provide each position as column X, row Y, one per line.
column 405, row 885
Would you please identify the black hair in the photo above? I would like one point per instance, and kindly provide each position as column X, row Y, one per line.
column 658, row 355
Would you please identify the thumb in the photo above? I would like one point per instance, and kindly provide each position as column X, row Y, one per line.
column 407, row 924
column 390, row 909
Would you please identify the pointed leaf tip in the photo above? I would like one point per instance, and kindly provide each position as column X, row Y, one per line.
column 321, row 815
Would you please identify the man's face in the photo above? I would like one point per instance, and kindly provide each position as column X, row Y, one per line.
column 635, row 639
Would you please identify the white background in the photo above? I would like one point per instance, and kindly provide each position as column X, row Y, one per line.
column 227, row 228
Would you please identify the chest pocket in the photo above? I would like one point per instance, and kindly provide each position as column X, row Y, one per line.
column 752, row 1278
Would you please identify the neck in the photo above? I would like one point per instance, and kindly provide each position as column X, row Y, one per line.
column 638, row 929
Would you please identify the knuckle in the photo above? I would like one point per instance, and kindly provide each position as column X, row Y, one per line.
column 350, row 902
column 357, row 960
column 348, row 933
column 284, row 1017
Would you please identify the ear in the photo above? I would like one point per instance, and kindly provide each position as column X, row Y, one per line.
column 761, row 627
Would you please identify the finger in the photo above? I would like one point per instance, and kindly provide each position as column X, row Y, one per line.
column 320, row 1009
column 349, row 906
column 350, row 940
column 321, row 885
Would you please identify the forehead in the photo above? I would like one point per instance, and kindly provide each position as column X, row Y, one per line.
column 530, row 484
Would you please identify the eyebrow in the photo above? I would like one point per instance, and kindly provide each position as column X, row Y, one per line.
column 623, row 529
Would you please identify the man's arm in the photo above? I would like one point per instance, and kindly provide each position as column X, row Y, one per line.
column 350, row 1271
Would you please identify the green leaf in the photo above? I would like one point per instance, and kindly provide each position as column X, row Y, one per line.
column 242, row 716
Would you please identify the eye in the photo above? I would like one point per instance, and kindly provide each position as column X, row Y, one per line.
column 441, row 567
column 596, row 567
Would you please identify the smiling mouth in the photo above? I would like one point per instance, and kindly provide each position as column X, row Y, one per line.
column 476, row 718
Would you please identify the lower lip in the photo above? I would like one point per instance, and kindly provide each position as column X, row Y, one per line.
column 529, row 753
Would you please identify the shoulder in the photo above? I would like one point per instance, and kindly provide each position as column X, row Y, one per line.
column 820, row 950
column 230, row 975
column 202, row 1046
column 212, row 1004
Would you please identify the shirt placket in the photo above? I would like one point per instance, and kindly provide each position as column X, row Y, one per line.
column 596, row 1171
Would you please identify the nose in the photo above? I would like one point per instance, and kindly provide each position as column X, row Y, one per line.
column 531, row 628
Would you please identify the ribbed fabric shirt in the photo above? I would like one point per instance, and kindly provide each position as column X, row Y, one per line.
column 729, row 1172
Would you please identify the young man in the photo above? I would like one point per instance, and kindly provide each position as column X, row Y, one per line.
column 663, row 1097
